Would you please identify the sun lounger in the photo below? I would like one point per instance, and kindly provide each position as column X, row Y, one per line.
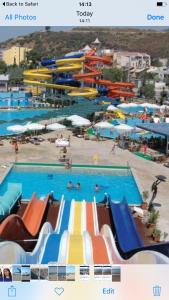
column 9, row 199
column 62, row 143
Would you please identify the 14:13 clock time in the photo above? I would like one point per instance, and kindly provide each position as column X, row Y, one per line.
column 85, row 3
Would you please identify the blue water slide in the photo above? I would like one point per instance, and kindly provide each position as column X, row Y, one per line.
column 48, row 61
column 52, row 61
column 76, row 55
column 51, row 252
column 65, row 217
column 126, row 230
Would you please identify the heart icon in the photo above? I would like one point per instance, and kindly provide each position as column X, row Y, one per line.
column 59, row 291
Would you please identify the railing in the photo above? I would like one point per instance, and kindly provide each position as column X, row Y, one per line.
column 59, row 218
column 96, row 223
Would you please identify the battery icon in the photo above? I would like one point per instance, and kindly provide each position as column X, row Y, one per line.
column 162, row 4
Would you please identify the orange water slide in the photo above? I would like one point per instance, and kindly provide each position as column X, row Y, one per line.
column 120, row 93
column 15, row 228
column 100, row 255
column 114, row 88
column 92, row 60
column 90, row 218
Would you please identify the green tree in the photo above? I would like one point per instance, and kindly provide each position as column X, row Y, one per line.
column 33, row 57
column 167, row 80
column 156, row 62
column 163, row 96
column 3, row 67
column 15, row 74
column 168, row 62
column 148, row 90
column 113, row 74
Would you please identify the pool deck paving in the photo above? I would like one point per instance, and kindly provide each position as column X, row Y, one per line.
column 83, row 152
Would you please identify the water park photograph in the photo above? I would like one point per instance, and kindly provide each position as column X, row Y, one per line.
column 84, row 143
column 35, row 272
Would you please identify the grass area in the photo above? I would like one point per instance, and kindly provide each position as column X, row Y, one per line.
column 145, row 156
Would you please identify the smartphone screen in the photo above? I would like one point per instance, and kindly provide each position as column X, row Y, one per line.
column 84, row 150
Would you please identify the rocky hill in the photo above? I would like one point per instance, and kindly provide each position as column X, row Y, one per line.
column 57, row 43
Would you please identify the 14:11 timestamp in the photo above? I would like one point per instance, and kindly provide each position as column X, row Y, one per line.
column 87, row 4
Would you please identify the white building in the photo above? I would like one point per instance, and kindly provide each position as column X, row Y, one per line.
column 159, row 88
column 137, row 61
column 4, row 82
column 161, row 72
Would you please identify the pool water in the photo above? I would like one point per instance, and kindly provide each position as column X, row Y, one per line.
column 42, row 180
column 11, row 117
column 137, row 109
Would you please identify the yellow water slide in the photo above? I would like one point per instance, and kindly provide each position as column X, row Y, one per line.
column 76, row 251
column 42, row 77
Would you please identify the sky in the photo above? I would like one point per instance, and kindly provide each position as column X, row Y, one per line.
column 7, row 32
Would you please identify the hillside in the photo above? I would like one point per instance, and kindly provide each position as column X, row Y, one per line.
column 52, row 43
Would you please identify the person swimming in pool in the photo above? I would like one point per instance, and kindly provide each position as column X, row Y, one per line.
column 97, row 188
column 70, row 185
column 78, row 186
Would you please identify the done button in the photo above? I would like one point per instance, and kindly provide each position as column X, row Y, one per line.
column 155, row 18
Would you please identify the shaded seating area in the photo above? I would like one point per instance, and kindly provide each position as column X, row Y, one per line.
column 9, row 199
column 161, row 129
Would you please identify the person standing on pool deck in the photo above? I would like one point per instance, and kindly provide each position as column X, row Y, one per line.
column 145, row 148
column 113, row 148
column 16, row 147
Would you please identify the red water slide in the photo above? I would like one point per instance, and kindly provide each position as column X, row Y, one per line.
column 91, row 75
column 15, row 228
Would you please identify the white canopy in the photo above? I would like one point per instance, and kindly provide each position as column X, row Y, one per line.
column 34, row 126
column 79, row 121
column 124, row 127
column 112, row 108
column 55, row 126
column 128, row 105
column 149, row 105
column 104, row 124
column 163, row 107
column 16, row 128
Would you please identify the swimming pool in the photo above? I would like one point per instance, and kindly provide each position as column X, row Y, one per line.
column 137, row 109
column 11, row 117
column 118, row 183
